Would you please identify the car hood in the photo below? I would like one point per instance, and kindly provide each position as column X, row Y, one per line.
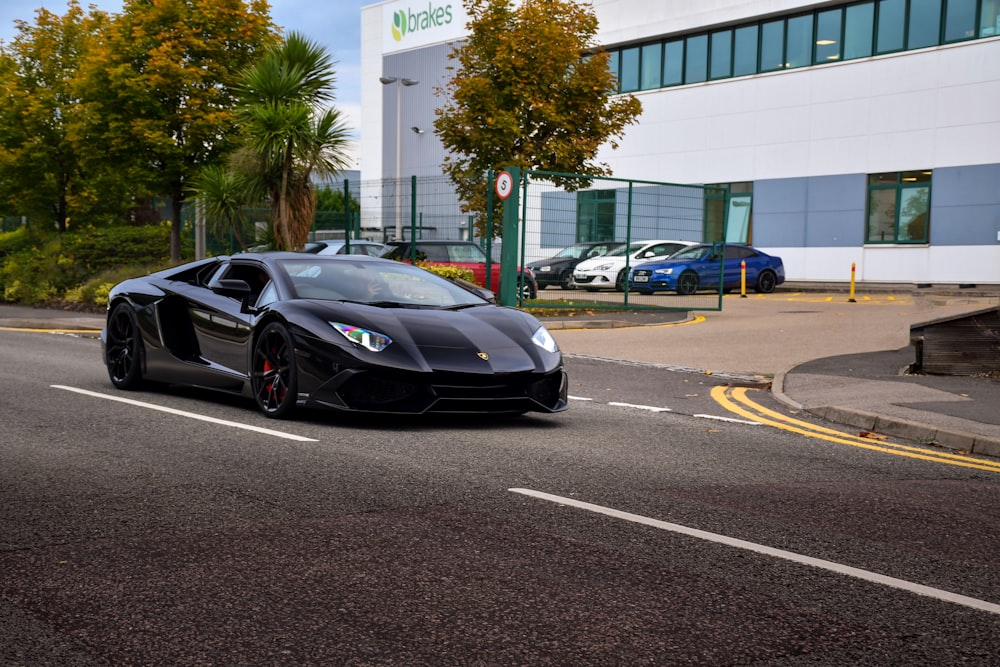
column 551, row 261
column 589, row 264
column 479, row 339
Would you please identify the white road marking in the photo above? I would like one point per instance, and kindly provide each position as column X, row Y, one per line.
column 837, row 568
column 191, row 415
column 729, row 419
column 650, row 408
column 579, row 398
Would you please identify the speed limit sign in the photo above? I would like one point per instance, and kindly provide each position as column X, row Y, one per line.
column 505, row 184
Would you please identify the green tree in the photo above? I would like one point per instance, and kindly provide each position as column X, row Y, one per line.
column 289, row 135
column 41, row 167
column 162, row 100
column 332, row 199
column 530, row 89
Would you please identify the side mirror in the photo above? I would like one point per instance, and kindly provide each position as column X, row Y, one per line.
column 238, row 289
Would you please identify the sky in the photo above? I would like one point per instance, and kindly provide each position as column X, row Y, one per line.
column 336, row 24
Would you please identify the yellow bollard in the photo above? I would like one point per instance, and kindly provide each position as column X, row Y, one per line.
column 853, row 267
column 743, row 279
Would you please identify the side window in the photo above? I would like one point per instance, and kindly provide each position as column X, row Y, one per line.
column 268, row 296
column 464, row 253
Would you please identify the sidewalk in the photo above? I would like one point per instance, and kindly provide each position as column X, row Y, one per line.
column 839, row 360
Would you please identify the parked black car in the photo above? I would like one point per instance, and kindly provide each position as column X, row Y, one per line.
column 558, row 269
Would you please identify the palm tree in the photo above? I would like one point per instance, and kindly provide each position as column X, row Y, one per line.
column 287, row 137
column 223, row 194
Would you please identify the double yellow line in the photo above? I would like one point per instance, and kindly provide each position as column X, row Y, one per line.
column 736, row 401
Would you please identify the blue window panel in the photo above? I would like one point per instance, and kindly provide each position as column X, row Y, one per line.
column 828, row 37
column 673, row 63
column 960, row 20
column 772, row 46
column 652, row 65
column 613, row 59
column 891, row 26
column 629, row 78
column 721, row 64
column 859, row 28
column 799, row 41
column 745, row 51
column 924, row 24
column 696, row 63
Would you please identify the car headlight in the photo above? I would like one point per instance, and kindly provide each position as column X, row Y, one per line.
column 665, row 272
column 543, row 339
column 602, row 267
column 543, row 269
column 370, row 340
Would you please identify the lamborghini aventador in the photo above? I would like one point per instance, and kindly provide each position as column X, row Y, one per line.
column 341, row 332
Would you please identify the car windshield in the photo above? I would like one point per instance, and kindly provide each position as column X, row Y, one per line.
column 376, row 282
column 631, row 248
column 574, row 251
column 694, row 252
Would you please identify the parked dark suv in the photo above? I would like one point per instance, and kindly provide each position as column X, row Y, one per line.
column 464, row 254
column 558, row 269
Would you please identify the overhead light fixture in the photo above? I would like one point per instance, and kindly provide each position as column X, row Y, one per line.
column 417, row 130
column 825, row 42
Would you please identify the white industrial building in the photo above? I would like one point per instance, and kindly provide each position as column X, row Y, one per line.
column 864, row 133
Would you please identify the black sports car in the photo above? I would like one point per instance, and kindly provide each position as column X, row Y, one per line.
column 343, row 332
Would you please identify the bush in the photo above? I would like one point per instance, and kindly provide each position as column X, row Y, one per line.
column 41, row 267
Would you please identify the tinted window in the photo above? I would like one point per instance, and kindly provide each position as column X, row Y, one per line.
column 828, row 36
column 925, row 24
column 772, row 46
column 891, row 21
column 673, row 63
column 799, row 42
column 629, row 80
column 722, row 54
column 859, row 26
column 745, row 51
column 960, row 20
column 696, row 65
column 652, row 65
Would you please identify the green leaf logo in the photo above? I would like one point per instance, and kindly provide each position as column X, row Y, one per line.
column 398, row 25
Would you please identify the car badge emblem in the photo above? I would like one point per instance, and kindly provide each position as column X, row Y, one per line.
column 483, row 356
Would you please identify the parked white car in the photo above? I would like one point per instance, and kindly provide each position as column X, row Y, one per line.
column 609, row 271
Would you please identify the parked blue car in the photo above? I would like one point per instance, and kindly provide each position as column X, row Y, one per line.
column 697, row 268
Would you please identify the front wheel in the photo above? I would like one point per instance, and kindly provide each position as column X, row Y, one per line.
column 123, row 351
column 274, row 378
column 566, row 280
column 687, row 283
column 620, row 281
column 766, row 282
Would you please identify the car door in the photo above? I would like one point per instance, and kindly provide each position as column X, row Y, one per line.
column 222, row 328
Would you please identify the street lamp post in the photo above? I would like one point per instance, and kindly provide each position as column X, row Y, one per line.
column 400, row 82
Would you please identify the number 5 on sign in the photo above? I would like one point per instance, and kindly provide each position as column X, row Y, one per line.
column 505, row 184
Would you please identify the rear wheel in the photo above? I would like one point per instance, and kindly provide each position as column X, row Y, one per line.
column 687, row 283
column 123, row 349
column 274, row 377
column 766, row 282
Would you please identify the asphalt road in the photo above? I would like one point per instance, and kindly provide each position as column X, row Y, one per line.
column 134, row 535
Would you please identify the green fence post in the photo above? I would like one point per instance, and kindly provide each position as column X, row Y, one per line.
column 347, row 219
column 509, row 244
column 413, row 207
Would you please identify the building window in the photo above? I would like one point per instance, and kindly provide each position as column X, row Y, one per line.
column 629, row 79
column 745, row 50
column 799, row 43
column 595, row 215
column 989, row 20
column 673, row 63
column 828, row 37
column 613, row 57
column 739, row 220
column 899, row 207
column 721, row 50
column 696, row 63
column 652, row 65
column 960, row 19
column 859, row 23
column 772, row 46
column 890, row 26
column 924, row 25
